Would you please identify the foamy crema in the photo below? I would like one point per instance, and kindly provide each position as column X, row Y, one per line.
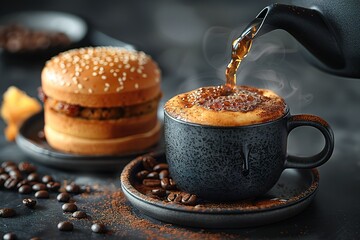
column 222, row 106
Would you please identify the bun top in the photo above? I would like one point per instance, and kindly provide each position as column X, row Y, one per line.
column 101, row 77
column 221, row 106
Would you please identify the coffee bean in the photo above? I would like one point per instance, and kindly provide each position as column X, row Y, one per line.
column 7, row 163
column 148, row 162
column 172, row 196
column 42, row 194
column 65, row 226
column 151, row 182
column 2, row 170
column 22, row 182
column 189, row 199
column 72, row 188
column 11, row 183
column 26, row 167
column 69, row 207
column 30, row 203
column 163, row 174
column 47, row 178
column 38, row 187
column 142, row 174
column 53, row 186
column 98, row 228
column 79, row 214
column 161, row 166
column 63, row 197
column 33, row 177
column 16, row 174
column 158, row 192
column 4, row 176
column 10, row 236
column 11, row 168
column 168, row 183
column 153, row 175
column 7, row 212
column 24, row 189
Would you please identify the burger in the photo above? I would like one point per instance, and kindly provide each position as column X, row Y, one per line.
column 101, row 101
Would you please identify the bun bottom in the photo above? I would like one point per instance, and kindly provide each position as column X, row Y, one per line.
column 113, row 146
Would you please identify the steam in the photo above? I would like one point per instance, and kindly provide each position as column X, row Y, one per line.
column 266, row 66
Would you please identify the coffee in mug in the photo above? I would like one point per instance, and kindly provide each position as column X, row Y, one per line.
column 230, row 144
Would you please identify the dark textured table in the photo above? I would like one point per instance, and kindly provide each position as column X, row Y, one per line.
column 190, row 41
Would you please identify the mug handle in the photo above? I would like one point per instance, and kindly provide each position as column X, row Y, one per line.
column 317, row 159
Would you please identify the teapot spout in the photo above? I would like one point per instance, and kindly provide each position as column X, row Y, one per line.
column 307, row 26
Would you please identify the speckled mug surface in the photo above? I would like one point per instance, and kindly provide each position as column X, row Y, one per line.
column 233, row 163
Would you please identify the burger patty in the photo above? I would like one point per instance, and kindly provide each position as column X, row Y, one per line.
column 72, row 110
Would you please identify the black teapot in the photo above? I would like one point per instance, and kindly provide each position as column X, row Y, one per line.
column 329, row 30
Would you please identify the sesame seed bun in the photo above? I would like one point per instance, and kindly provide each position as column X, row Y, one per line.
column 101, row 77
column 101, row 100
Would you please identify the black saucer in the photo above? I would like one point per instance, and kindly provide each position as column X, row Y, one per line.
column 292, row 194
column 39, row 150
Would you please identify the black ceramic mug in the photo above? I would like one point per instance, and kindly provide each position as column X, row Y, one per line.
column 232, row 163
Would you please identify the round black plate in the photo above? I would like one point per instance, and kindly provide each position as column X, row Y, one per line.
column 40, row 151
column 292, row 194
column 73, row 26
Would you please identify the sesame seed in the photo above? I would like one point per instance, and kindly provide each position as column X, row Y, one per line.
column 136, row 85
column 64, row 71
column 115, row 74
column 86, row 78
column 144, row 75
column 107, row 85
column 74, row 79
column 79, row 86
column 76, row 91
column 77, row 74
column 94, row 74
column 68, row 84
column 103, row 77
column 106, row 89
column 90, row 90
column 119, row 89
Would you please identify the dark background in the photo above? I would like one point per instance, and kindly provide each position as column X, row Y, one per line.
column 191, row 42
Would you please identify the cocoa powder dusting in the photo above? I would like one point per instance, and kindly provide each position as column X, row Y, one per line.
column 110, row 207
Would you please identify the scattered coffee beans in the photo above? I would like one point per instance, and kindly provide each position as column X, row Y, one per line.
column 38, row 187
column 24, row 189
column 26, row 167
column 28, row 202
column 7, row 212
column 10, row 183
column 152, row 182
column 9, row 236
column 79, row 214
column 163, row 174
column 65, row 226
column 159, row 192
column 42, row 194
column 98, row 228
column 156, row 176
column 148, row 162
column 72, row 188
column 69, row 207
column 168, row 184
column 33, row 177
column 63, row 197
column 53, row 186
column 142, row 174
column 47, row 178
column 161, row 166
